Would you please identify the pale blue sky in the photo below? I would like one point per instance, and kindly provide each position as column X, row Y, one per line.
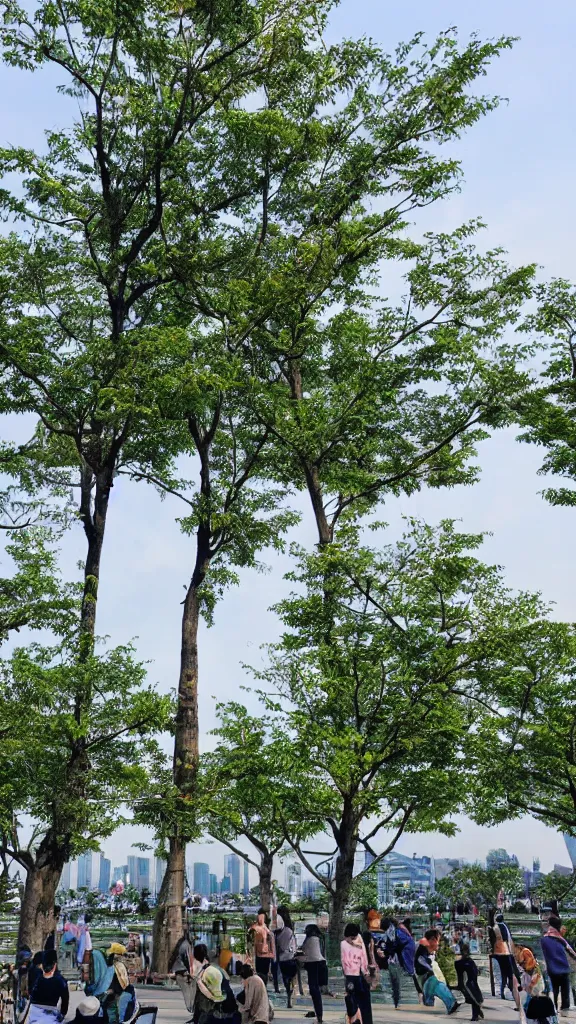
column 519, row 178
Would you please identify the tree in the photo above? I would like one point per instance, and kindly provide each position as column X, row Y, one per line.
column 364, row 891
column 481, row 886
column 35, row 778
column 244, row 765
column 523, row 749
column 556, row 886
column 373, row 682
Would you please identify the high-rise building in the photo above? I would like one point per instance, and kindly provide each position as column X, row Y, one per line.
column 64, row 884
column 246, row 880
column 232, row 868
column 159, row 872
column 139, row 872
column 310, row 887
column 226, row 884
column 369, row 859
column 500, row 859
column 202, row 879
column 444, row 866
column 120, row 874
column 213, row 885
column 395, row 871
column 293, row 878
column 85, row 870
column 104, row 874
column 571, row 847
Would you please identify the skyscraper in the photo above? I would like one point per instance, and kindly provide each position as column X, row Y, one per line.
column 159, row 872
column 294, row 878
column 571, row 847
column 64, row 885
column 246, row 885
column 104, row 874
column 120, row 874
column 232, row 868
column 213, row 885
column 139, row 872
column 202, row 879
column 85, row 871
column 225, row 884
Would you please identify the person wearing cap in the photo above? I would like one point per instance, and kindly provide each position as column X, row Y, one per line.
column 119, row 991
column 50, row 988
column 215, row 1000
column 89, row 1011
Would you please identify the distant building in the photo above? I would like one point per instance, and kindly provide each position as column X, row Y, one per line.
column 571, row 847
column 501, row 859
column 369, row 859
column 561, row 870
column 226, row 884
column 159, row 872
column 213, row 885
column 85, row 871
column 232, row 868
column 310, row 887
column 120, row 874
column 396, row 871
column 64, row 884
column 139, row 872
column 246, row 880
column 202, row 879
column 294, row 879
column 444, row 866
column 104, row 874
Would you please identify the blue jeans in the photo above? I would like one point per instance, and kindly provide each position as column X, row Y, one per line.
column 437, row 989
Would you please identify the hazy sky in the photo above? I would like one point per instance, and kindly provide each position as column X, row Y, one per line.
column 519, row 167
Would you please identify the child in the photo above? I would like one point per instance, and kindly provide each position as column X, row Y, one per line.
column 467, row 972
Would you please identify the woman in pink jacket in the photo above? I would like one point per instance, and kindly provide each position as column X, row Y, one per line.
column 356, row 972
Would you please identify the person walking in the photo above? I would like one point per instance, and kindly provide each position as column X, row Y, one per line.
column 286, row 947
column 254, row 1002
column 431, row 987
column 558, row 955
column 316, row 968
column 50, row 989
column 355, row 969
column 263, row 945
column 394, row 950
column 501, row 945
column 467, row 974
column 185, row 967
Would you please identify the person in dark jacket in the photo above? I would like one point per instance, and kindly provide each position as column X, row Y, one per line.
column 467, row 973
column 558, row 956
column 50, row 988
column 431, row 986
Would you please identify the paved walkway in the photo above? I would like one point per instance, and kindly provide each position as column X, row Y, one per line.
column 171, row 1010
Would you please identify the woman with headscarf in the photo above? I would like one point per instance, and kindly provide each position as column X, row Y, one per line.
column 119, row 1001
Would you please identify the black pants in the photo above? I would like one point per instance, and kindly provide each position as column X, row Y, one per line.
column 561, row 986
column 360, row 991
column 313, row 972
column 274, row 966
column 263, row 967
column 288, row 970
column 504, row 961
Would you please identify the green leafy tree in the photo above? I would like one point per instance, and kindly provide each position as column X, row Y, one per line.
column 373, row 681
column 556, row 886
column 245, row 764
column 364, row 891
column 117, row 733
column 481, row 886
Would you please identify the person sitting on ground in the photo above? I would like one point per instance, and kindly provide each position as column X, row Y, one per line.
column 89, row 1011
column 215, row 1000
column 255, row 1004
column 431, row 986
column 467, row 973
column 50, row 988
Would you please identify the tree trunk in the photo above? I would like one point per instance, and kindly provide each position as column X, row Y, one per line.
column 37, row 914
column 169, row 918
column 185, row 764
column 265, row 875
column 343, row 874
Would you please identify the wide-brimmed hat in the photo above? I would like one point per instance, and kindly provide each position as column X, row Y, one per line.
column 89, row 1007
column 116, row 949
column 210, row 985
